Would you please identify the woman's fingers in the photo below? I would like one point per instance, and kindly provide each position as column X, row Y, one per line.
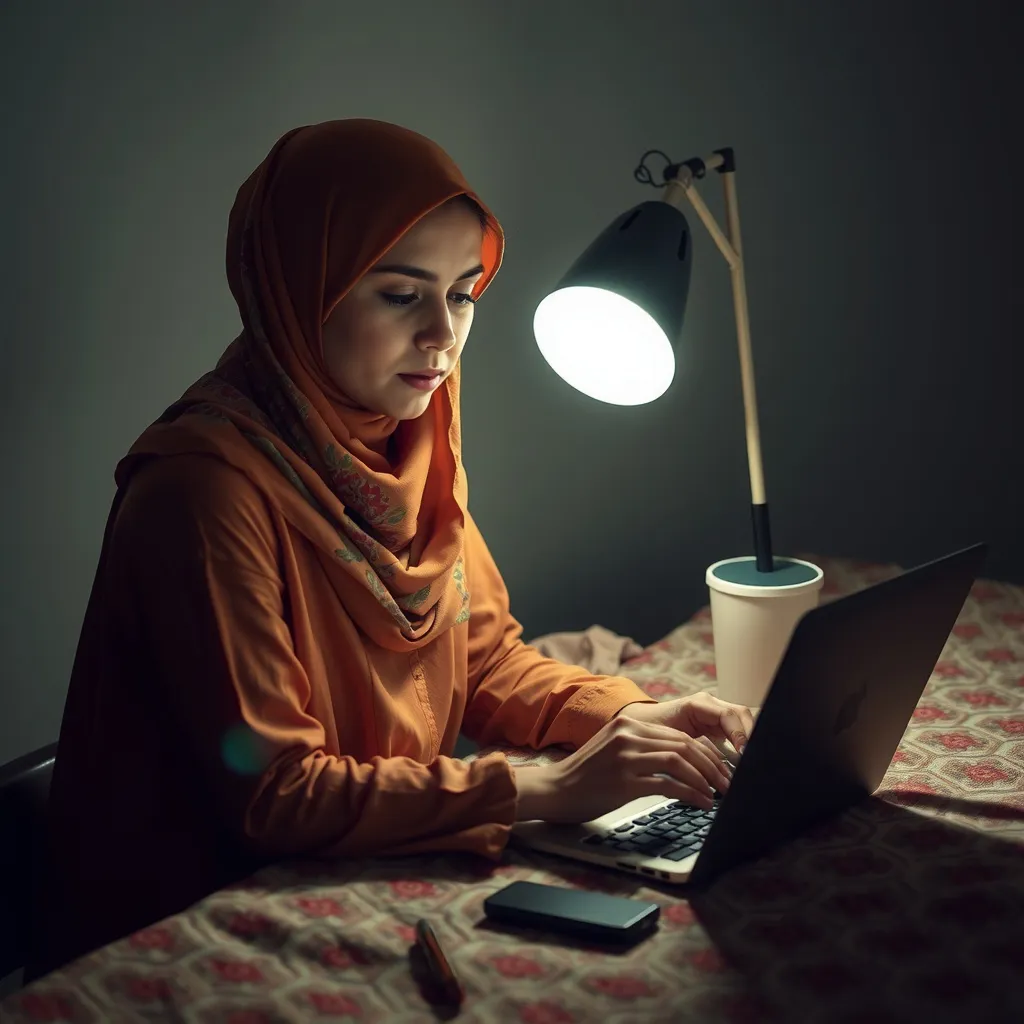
column 705, row 757
column 673, row 764
column 660, row 733
column 665, row 784
column 747, row 717
column 709, row 764
column 676, row 766
column 711, row 717
column 736, row 723
column 725, row 757
column 720, row 718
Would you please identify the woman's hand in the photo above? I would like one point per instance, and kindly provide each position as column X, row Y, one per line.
column 698, row 715
column 627, row 759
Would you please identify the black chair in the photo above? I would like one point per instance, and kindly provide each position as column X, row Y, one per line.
column 24, row 791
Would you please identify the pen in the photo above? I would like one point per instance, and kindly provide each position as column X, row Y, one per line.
column 437, row 963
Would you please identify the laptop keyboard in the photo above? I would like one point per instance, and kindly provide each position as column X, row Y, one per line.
column 675, row 832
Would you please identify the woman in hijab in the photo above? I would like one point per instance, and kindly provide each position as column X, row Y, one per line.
column 294, row 614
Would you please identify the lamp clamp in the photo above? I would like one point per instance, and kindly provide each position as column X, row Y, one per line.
column 686, row 171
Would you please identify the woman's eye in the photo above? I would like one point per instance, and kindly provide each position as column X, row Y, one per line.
column 393, row 299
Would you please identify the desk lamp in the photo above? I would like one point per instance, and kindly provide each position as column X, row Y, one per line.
column 609, row 328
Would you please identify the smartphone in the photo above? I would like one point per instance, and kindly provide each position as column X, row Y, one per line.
column 589, row 915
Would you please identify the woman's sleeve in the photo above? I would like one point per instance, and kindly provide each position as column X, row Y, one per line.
column 517, row 696
column 209, row 586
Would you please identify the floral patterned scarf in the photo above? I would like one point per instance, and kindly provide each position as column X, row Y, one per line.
column 324, row 206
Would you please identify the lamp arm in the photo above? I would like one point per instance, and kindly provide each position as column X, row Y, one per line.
column 681, row 180
column 677, row 190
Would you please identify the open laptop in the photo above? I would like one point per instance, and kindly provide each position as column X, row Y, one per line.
column 833, row 717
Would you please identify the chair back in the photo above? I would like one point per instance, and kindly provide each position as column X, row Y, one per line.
column 24, row 791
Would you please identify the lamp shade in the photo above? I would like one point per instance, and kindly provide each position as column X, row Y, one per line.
column 609, row 327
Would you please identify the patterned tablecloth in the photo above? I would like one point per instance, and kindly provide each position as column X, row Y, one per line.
column 910, row 907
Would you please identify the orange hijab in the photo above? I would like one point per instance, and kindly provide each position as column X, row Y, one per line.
column 324, row 206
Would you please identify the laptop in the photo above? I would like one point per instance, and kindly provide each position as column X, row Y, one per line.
column 831, row 721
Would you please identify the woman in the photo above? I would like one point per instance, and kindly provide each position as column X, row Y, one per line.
column 294, row 614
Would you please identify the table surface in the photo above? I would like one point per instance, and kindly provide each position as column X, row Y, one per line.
column 911, row 904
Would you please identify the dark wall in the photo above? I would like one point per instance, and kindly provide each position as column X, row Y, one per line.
column 877, row 146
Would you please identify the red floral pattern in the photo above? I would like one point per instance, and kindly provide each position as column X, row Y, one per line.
column 248, row 1017
column 410, row 889
column 678, row 914
column 623, row 986
column 344, row 956
column 334, row 1004
column 41, row 1006
column 236, row 971
column 958, row 741
column 811, row 932
column 707, row 960
column 517, row 966
column 545, row 1013
column 248, row 924
column 153, row 938
column 1014, row 726
column 146, row 990
column 320, row 907
column 985, row 773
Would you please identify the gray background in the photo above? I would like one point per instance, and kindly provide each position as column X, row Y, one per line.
column 878, row 194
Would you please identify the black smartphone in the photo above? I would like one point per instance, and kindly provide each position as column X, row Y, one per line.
column 593, row 916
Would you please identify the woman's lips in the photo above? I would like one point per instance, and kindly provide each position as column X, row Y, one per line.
column 421, row 381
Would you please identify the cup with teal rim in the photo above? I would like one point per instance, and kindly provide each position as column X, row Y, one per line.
column 753, row 615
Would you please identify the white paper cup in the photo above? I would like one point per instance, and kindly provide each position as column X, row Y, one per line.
column 753, row 615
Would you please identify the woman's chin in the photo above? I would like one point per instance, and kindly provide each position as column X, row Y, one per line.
column 410, row 409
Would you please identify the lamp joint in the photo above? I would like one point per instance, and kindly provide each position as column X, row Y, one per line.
column 695, row 165
column 728, row 164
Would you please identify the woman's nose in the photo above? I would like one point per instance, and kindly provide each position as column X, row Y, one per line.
column 439, row 332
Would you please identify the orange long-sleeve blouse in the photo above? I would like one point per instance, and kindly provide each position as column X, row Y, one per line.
column 225, row 711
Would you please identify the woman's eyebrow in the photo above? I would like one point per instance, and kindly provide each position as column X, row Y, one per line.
column 419, row 273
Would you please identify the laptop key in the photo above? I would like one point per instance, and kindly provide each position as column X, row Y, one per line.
column 660, row 812
column 624, row 828
column 649, row 843
column 594, row 839
column 645, row 819
column 656, row 850
column 678, row 855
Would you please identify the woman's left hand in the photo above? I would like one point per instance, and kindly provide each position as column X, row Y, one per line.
column 698, row 715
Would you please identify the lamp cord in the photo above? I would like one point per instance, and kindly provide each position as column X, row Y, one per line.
column 643, row 172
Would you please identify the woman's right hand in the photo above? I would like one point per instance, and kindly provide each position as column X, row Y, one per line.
column 625, row 760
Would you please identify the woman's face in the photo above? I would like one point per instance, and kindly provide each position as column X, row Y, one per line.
column 396, row 335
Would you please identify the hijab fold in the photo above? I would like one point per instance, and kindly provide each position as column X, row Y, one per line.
column 323, row 207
